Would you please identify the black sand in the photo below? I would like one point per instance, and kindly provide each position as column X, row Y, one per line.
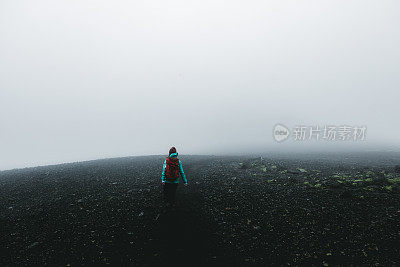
column 335, row 209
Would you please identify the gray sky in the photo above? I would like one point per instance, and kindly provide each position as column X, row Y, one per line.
column 86, row 79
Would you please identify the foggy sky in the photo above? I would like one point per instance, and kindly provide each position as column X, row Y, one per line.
column 84, row 79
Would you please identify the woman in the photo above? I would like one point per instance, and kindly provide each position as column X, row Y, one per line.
column 170, row 176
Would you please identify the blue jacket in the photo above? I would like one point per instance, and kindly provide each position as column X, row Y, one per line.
column 173, row 155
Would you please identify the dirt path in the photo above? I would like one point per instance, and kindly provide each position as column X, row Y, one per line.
column 182, row 236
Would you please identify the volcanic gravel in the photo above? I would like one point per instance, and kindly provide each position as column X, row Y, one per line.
column 329, row 210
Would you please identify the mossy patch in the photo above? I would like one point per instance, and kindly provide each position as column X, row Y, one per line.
column 371, row 189
column 264, row 168
column 369, row 173
column 394, row 180
column 389, row 188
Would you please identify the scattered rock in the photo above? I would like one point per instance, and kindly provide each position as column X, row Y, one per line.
column 34, row 244
column 397, row 168
column 244, row 165
column 346, row 194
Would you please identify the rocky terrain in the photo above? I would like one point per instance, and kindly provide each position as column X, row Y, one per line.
column 328, row 209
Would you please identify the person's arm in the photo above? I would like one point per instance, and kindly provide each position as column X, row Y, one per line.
column 182, row 172
column 163, row 171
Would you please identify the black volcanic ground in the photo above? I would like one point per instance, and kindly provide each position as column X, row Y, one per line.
column 335, row 209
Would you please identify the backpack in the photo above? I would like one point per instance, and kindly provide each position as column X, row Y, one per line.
column 172, row 169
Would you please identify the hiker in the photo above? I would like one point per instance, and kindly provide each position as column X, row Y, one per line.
column 170, row 176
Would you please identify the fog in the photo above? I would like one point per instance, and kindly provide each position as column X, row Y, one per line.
column 83, row 79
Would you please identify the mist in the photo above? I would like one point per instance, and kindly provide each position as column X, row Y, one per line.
column 83, row 80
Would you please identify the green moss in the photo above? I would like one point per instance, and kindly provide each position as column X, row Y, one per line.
column 318, row 185
column 389, row 188
column 368, row 180
column 369, row 189
column 264, row 168
column 302, row 170
column 369, row 173
column 394, row 180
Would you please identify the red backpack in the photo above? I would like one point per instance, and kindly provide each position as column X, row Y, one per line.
column 172, row 168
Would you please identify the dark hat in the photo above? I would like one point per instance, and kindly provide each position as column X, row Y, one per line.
column 172, row 150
